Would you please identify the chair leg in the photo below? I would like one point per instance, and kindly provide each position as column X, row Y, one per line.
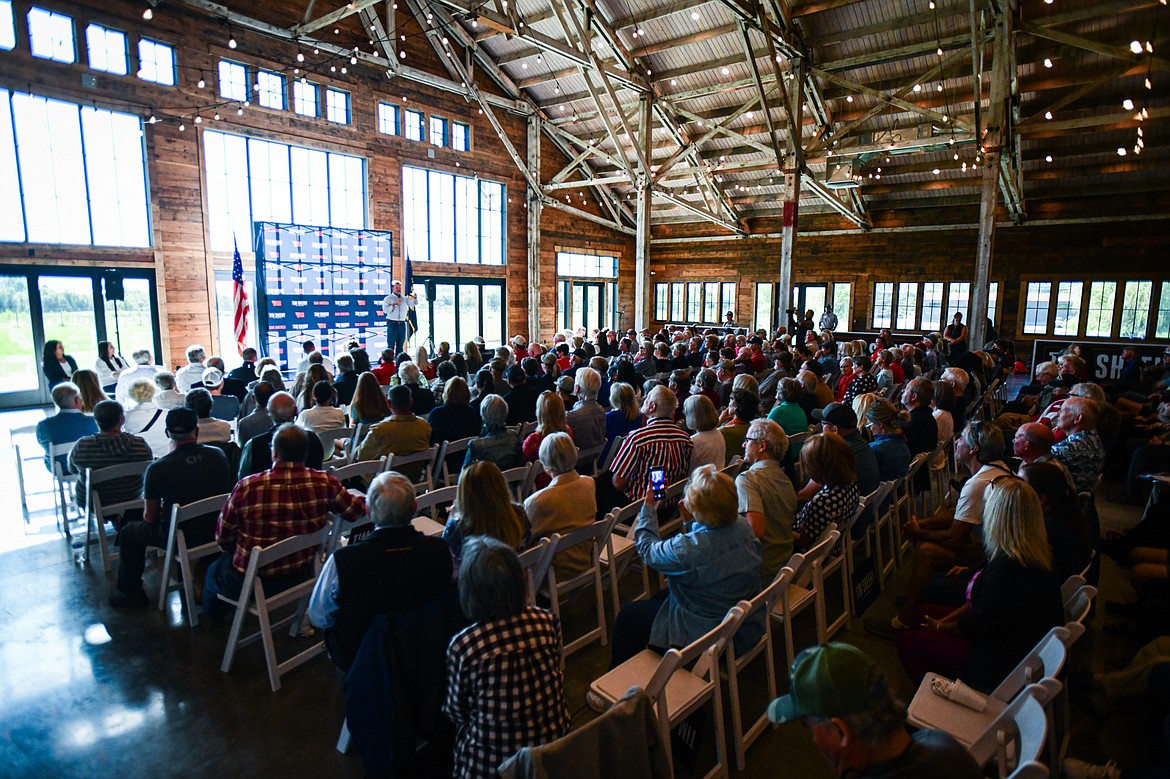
column 736, row 716
column 229, row 652
column 599, row 591
column 164, row 581
column 194, row 609
column 343, row 738
column 721, row 766
column 269, row 644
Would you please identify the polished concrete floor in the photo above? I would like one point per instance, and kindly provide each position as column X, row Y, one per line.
column 86, row 690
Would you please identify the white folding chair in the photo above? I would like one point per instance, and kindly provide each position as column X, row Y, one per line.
column 1030, row 770
column 253, row 600
column 63, row 497
column 366, row 469
column 1018, row 734
column 525, row 429
column 517, row 478
column 1047, row 658
column 22, row 441
column 97, row 513
column 456, row 450
column 676, row 691
column 1069, row 588
column 621, row 551
column 762, row 604
column 885, row 519
column 534, row 561
column 178, row 552
column 596, row 535
column 422, row 463
column 611, row 454
column 587, row 460
column 807, row 588
column 906, row 506
column 329, row 437
column 1077, row 606
column 431, row 503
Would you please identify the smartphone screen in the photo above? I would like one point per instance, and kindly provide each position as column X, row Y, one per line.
column 658, row 482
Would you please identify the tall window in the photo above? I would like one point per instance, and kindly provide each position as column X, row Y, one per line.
column 412, row 125
column 336, row 106
column 450, row 218
column 233, row 81
column 694, row 301
column 156, row 62
column 387, row 119
column 51, row 35
column 678, row 301
column 960, row 297
column 1068, row 308
column 587, row 291
column 842, row 300
column 106, row 49
column 932, row 300
column 251, row 180
column 1036, row 300
column 907, row 305
column 438, row 131
column 70, row 174
column 460, row 136
column 1135, row 309
column 1099, row 323
column 765, row 311
column 271, row 93
column 993, row 300
column 305, row 98
column 1162, row 326
column 461, row 310
column 883, row 304
column 7, row 26
column 661, row 301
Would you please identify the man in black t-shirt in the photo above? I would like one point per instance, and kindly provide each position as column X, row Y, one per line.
column 190, row 472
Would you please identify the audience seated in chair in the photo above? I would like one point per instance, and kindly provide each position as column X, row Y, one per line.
column 67, row 425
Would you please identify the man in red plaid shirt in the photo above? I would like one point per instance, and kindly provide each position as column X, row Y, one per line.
column 287, row 500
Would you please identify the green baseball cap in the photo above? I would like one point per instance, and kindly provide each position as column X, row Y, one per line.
column 830, row 680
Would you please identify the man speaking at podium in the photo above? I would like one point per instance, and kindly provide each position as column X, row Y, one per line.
column 397, row 308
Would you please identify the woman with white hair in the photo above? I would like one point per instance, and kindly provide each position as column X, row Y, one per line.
column 145, row 419
column 708, row 570
column 710, row 446
column 168, row 395
column 567, row 503
column 498, row 443
column 587, row 417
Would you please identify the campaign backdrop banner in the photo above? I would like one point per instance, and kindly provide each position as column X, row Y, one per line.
column 323, row 284
column 1103, row 358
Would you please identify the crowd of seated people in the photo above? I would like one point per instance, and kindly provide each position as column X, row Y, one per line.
column 681, row 400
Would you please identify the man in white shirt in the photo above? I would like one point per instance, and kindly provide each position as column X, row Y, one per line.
column 310, row 349
column 142, row 369
column 191, row 373
column 397, row 307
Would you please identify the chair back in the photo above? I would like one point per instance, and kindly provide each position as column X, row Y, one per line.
column 1076, row 607
column 96, row 476
column 1045, row 660
column 262, row 556
column 1070, row 586
column 366, row 469
column 1019, row 730
column 732, row 469
column 815, row 557
column 525, row 429
column 430, row 502
column 452, row 460
column 534, row 561
column 611, row 454
column 588, row 459
column 200, row 508
column 916, row 464
column 57, row 451
column 517, row 478
column 359, row 433
column 329, row 437
column 419, row 467
column 1031, row 770
column 703, row 652
column 767, row 597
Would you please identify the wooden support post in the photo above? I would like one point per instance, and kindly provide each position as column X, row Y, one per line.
column 994, row 130
column 787, row 243
column 534, row 208
column 642, row 238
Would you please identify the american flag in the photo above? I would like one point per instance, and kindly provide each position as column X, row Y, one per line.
column 240, row 299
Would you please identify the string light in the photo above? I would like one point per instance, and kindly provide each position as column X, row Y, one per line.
column 202, row 83
column 148, row 14
column 1047, row 62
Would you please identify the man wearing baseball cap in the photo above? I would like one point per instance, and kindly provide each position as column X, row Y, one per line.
column 190, row 472
column 840, row 695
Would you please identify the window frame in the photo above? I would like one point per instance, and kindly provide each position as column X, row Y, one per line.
column 442, row 125
column 301, row 88
column 264, row 92
column 232, row 81
column 466, row 128
column 409, row 114
column 387, row 108
column 156, row 45
column 51, row 17
column 886, row 321
column 8, row 39
column 105, row 34
column 418, row 217
column 330, row 106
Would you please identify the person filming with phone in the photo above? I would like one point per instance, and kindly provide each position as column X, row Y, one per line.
column 397, row 307
column 709, row 568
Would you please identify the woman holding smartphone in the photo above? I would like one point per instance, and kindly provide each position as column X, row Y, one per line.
column 708, row 569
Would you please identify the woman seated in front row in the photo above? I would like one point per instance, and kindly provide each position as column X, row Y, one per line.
column 708, row 570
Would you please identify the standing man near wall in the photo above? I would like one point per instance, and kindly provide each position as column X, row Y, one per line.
column 397, row 307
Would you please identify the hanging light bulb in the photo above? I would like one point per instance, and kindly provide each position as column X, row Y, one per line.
column 917, row 87
column 240, row 111
column 232, row 42
column 936, row 171
column 1127, row 104
column 1121, row 151
column 1047, row 62
column 217, row 116
column 300, row 56
column 1135, row 47
column 1047, row 114
column 1048, row 158
column 182, row 127
column 152, row 119
column 148, row 14
column 202, row 83
column 849, row 98
column 198, row 119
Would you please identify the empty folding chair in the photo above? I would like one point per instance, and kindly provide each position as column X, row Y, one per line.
column 1018, row 734
column 97, row 513
column 807, row 589
column 596, row 535
column 620, row 551
column 679, row 682
column 253, row 600
column 179, row 553
column 419, row 467
column 761, row 605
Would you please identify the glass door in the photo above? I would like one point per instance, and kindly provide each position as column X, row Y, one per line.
column 806, row 296
column 67, row 313
column 20, row 362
